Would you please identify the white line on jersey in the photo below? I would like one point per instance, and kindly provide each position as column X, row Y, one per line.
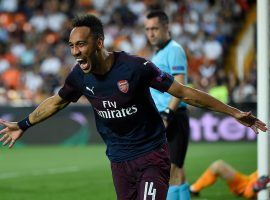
column 146, row 62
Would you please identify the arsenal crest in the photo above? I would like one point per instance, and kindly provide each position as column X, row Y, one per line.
column 123, row 86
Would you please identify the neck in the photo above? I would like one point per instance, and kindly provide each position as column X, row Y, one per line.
column 103, row 62
column 163, row 44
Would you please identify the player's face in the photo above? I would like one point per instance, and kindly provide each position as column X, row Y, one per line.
column 83, row 47
column 156, row 32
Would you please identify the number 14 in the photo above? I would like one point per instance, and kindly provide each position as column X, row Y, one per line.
column 149, row 190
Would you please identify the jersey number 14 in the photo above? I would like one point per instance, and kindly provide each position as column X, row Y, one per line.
column 149, row 191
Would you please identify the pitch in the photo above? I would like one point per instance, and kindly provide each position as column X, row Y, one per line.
column 68, row 173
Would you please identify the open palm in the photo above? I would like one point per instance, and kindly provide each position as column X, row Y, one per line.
column 11, row 132
column 247, row 119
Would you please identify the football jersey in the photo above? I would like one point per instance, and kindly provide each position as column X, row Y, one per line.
column 172, row 60
column 125, row 113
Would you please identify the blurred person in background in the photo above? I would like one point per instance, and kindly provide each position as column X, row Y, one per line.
column 239, row 184
column 170, row 57
column 43, row 23
column 218, row 88
column 118, row 87
column 244, row 92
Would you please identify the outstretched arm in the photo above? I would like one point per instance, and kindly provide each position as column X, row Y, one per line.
column 201, row 99
column 47, row 108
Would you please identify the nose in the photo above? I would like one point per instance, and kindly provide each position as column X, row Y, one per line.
column 75, row 51
column 150, row 34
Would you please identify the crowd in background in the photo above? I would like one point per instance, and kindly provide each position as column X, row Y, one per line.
column 35, row 57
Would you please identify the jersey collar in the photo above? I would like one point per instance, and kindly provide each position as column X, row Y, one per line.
column 162, row 46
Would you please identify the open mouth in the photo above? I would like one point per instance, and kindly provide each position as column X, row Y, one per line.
column 83, row 63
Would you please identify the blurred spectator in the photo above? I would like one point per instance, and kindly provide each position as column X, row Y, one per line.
column 138, row 39
column 9, row 6
column 11, row 78
column 4, row 36
column 33, row 80
column 122, row 15
column 50, row 65
column 4, row 65
column 220, row 91
column 208, row 68
column 34, row 36
column 244, row 92
column 38, row 21
column 212, row 49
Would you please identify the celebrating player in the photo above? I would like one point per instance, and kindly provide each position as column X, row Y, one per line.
column 239, row 184
column 171, row 58
column 117, row 86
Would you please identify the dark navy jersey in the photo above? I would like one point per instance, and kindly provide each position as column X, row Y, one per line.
column 126, row 116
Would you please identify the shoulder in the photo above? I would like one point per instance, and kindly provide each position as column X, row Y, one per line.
column 174, row 45
column 76, row 70
column 129, row 59
column 139, row 66
column 75, row 74
column 175, row 50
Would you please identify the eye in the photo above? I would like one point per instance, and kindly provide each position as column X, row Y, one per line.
column 71, row 45
column 81, row 44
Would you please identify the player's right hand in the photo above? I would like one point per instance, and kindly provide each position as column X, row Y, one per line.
column 10, row 133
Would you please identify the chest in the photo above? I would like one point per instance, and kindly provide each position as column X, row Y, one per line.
column 115, row 89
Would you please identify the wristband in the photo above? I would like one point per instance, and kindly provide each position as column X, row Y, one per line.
column 25, row 124
column 167, row 114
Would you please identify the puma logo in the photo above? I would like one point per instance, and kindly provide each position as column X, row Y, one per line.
column 90, row 89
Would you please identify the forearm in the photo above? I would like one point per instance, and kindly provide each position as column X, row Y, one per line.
column 47, row 108
column 174, row 102
column 201, row 99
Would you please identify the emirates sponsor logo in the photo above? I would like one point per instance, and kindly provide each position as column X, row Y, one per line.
column 112, row 111
column 123, row 86
column 117, row 113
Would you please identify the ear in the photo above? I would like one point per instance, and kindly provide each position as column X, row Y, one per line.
column 166, row 26
column 100, row 43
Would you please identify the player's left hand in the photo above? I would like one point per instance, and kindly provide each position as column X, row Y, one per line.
column 10, row 133
column 247, row 119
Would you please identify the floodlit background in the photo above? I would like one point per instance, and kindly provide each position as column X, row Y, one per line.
column 64, row 157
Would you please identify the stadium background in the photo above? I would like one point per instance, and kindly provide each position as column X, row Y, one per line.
column 63, row 158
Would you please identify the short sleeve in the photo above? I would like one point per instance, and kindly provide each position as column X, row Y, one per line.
column 156, row 78
column 177, row 61
column 70, row 91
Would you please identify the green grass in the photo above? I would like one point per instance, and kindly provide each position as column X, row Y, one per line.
column 83, row 173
